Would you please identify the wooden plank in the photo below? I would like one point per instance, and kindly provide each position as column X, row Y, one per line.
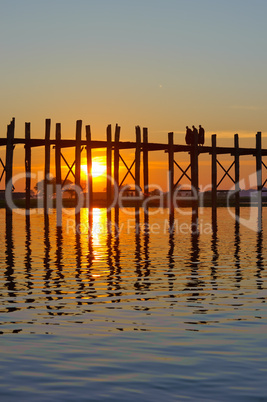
column 137, row 160
column 259, row 168
column 214, row 172
column 194, row 169
column 237, row 174
column 28, row 164
column 58, row 175
column 116, row 158
column 9, row 163
column 78, row 156
column 47, row 164
column 109, row 166
column 171, row 170
column 145, row 162
column 89, row 169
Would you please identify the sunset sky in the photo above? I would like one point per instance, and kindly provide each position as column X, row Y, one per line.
column 163, row 64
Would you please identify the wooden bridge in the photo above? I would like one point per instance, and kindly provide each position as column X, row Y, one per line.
column 142, row 148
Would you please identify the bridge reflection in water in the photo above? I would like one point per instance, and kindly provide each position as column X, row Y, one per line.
column 139, row 259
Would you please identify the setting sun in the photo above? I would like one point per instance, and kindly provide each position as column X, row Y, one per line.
column 98, row 169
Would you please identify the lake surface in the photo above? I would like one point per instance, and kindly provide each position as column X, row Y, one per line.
column 126, row 315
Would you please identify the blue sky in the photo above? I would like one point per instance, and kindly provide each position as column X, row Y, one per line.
column 160, row 64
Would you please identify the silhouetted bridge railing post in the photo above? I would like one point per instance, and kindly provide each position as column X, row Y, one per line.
column 141, row 146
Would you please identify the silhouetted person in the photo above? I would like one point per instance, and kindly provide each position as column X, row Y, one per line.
column 188, row 136
column 201, row 135
column 194, row 134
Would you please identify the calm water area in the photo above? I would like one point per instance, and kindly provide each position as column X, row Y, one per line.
column 143, row 315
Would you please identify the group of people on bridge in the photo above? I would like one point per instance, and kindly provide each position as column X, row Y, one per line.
column 190, row 133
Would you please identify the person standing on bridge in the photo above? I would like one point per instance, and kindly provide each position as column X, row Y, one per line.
column 201, row 135
column 188, row 136
column 194, row 134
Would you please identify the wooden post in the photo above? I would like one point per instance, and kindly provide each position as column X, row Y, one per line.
column 9, row 164
column 58, row 175
column 78, row 157
column 259, row 168
column 194, row 169
column 237, row 170
column 213, row 172
column 89, row 169
column 116, row 179
column 137, row 160
column 47, row 163
column 28, row 164
column 171, row 170
column 116, row 159
column 145, row 162
column 109, row 165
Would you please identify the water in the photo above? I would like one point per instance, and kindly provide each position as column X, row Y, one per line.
column 146, row 316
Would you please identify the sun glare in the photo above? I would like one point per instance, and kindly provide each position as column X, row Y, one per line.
column 98, row 169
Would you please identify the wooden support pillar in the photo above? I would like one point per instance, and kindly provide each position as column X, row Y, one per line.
column 109, row 165
column 78, row 157
column 145, row 162
column 47, row 164
column 194, row 169
column 137, row 160
column 28, row 164
column 9, row 164
column 89, row 169
column 171, row 170
column 78, row 171
column 116, row 160
column 213, row 172
column 237, row 175
column 58, row 174
column 259, row 168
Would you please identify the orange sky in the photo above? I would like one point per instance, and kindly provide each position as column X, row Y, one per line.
column 158, row 64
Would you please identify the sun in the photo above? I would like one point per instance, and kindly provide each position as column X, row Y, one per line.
column 98, row 169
